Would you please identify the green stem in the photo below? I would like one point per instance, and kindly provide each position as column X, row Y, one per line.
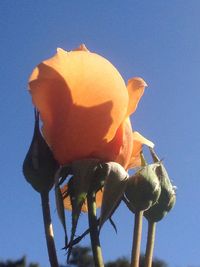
column 94, row 233
column 150, row 244
column 48, row 229
column 137, row 234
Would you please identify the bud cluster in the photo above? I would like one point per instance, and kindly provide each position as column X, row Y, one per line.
column 150, row 190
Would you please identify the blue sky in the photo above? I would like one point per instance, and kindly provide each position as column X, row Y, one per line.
column 158, row 40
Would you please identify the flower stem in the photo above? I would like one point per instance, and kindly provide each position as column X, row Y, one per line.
column 137, row 234
column 150, row 243
column 48, row 229
column 94, row 233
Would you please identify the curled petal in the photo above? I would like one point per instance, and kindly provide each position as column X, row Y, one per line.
column 138, row 141
column 135, row 88
column 140, row 138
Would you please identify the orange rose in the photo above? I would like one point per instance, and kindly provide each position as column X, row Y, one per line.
column 85, row 106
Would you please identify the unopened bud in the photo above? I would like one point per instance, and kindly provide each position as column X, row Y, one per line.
column 166, row 200
column 143, row 188
column 39, row 166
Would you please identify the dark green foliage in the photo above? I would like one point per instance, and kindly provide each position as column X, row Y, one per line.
column 156, row 262
column 121, row 262
column 81, row 257
column 124, row 262
column 18, row 263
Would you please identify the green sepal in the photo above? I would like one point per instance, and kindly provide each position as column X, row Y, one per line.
column 39, row 165
column 114, row 188
column 143, row 188
column 113, row 224
column 59, row 203
column 63, row 173
column 85, row 233
column 78, row 186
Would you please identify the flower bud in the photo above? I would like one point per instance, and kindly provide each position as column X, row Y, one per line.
column 143, row 188
column 166, row 200
column 39, row 166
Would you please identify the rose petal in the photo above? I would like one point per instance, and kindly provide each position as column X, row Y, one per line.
column 82, row 100
column 68, row 205
column 140, row 138
column 135, row 88
column 82, row 47
column 138, row 141
column 120, row 148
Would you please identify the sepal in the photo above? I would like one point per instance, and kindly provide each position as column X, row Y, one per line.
column 114, row 187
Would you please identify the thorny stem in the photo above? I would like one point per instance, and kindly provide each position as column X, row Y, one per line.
column 48, row 229
column 150, row 244
column 94, row 233
column 137, row 234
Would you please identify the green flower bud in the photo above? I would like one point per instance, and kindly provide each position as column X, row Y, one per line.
column 39, row 166
column 143, row 188
column 166, row 200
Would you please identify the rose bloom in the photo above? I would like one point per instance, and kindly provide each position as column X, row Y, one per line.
column 85, row 107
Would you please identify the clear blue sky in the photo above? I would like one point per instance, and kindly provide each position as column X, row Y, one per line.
column 158, row 40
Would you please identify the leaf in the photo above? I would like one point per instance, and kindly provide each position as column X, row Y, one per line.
column 115, row 185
